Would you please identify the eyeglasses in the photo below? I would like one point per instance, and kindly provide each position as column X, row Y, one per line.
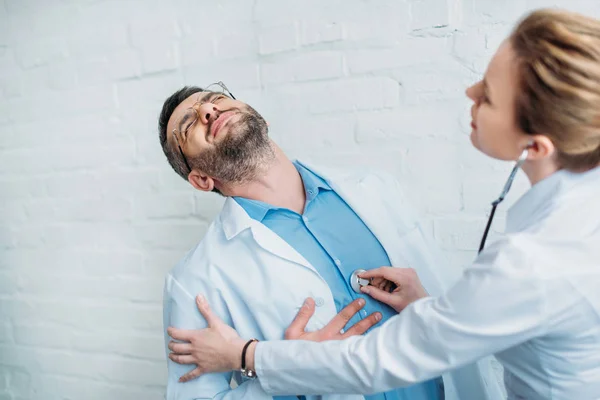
column 192, row 114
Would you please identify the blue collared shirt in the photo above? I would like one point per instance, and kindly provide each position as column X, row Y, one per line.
column 336, row 242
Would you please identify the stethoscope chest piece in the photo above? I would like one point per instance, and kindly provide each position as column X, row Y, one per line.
column 356, row 283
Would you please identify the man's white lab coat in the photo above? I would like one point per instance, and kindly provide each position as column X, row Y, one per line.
column 256, row 283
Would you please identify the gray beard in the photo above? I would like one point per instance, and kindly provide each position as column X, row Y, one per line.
column 242, row 154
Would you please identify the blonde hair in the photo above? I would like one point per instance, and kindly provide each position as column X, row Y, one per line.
column 558, row 61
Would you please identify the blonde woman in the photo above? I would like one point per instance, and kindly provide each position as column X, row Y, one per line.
column 531, row 298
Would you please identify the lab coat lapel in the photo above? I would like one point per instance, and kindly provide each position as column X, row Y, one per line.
column 379, row 202
column 394, row 225
column 372, row 209
column 368, row 199
column 235, row 220
column 271, row 242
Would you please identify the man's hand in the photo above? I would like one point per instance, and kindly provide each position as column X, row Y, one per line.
column 217, row 348
column 396, row 287
column 334, row 329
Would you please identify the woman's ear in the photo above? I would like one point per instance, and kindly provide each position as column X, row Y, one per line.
column 201, row 181
column 540, row 146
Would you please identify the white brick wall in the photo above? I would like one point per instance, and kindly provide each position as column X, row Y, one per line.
column 91, row 217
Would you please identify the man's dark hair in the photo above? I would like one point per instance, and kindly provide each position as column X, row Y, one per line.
column 172, row 152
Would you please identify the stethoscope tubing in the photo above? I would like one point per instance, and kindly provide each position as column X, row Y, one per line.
column 500, row 198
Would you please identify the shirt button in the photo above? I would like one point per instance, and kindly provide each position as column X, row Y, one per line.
column 310, row 192
column 319, row 301
column 364, row 313
column 305, row 219
column 337, row 262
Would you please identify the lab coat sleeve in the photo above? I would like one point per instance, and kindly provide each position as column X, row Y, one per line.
column 477, row 380
column 495, row 304
column 472, row 381
column 180, row 311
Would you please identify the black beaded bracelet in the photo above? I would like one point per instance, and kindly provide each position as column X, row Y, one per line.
column 247, row 372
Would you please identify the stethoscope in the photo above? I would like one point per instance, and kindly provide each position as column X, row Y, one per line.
column 356, row 282
column 499, row 200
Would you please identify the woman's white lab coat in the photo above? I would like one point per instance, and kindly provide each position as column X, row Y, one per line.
column 532, row 298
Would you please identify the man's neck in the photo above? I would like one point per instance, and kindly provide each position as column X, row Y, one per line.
column 279, row 184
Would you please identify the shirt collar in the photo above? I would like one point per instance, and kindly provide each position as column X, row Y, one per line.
column 313, row 185
column 541, row 195
column 255, row 209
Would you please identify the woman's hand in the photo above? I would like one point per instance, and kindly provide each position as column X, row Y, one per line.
column 396, row 287
column 217, row 348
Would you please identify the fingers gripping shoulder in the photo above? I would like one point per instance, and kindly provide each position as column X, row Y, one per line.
column 180, row 306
